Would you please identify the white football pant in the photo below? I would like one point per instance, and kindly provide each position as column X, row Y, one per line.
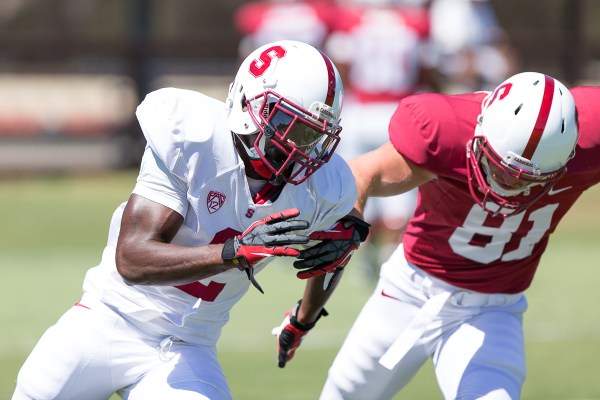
column 92, row 353
column 475, row 340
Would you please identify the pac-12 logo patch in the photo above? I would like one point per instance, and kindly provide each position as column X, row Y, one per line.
column 214, row 201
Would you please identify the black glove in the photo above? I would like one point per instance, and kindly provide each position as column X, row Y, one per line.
column 291, row 333
column 335, row 249
column 265, row 238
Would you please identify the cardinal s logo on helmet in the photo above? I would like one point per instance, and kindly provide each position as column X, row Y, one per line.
column 525, row 135
column 284, row 110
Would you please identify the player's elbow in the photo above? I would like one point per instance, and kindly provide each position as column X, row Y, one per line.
column 130, row 271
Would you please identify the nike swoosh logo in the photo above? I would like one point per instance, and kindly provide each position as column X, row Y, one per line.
column 384, row 294
column 552, row 192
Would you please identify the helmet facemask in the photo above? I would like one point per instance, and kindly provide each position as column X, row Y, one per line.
column 525, row 135
column 504, row 186
column 291, row 142
column 283, row 109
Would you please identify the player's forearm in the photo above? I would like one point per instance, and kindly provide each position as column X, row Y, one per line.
column 364, row 184
column 384, row 172
column 156, row 263
column 380, row 172
column 315, row 297
column 146, row 256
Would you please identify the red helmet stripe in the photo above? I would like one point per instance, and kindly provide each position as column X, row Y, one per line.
column 330, row 80
column 542, row 118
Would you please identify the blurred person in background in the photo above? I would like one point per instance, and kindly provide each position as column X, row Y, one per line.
column 469, row 48
column 378, row 47
column 223, row 189
column 496, row 173
column 264, row 21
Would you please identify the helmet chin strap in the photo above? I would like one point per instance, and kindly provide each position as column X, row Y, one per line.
column 258, row 165
column 261, row 169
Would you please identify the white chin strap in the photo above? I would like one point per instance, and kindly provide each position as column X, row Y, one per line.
column 250, row 151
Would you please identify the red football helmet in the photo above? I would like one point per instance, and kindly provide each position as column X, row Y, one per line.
column 284, row 107
column 525, row 134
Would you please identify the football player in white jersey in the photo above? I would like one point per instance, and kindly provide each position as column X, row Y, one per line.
column 223, row 188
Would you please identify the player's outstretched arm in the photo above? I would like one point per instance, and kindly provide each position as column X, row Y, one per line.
column 302, row 318
column 384, row 172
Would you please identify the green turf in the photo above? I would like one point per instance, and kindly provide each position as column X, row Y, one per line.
column 54, row 229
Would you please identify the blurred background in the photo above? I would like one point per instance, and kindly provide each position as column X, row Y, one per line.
column 73, row 71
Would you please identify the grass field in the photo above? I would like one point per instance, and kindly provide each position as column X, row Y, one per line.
column 54, row 229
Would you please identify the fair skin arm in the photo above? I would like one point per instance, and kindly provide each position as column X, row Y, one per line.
column 384, row 172
column 381, row 172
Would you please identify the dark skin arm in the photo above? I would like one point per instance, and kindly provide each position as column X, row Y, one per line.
column 315, row 297
column 145, row 255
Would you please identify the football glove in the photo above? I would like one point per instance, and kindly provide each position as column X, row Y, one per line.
column 335, row 248
column 265, row 238
column 291, row 333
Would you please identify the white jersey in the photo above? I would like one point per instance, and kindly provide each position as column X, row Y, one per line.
column 191, row 166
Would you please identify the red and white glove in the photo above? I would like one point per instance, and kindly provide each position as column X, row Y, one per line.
column 291, row 333
column 335, row 248
column 265, row 238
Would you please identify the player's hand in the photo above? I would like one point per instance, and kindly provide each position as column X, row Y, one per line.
column 265, row 238
column 290, row 335
column 335, row 248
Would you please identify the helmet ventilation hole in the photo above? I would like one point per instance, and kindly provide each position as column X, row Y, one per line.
column 536, row 82
column 518, row 108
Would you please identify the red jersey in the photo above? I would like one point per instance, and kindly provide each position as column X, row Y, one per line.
column 450, row 236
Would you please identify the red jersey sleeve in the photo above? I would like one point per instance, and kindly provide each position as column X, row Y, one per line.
column 587, row 153
column 432, row 131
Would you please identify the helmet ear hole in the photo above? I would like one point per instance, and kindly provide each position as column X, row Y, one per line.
column 243, row 103
column 518, row 109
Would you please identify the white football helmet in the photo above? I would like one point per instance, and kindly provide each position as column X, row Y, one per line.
column 525, row 134
column 284, row 109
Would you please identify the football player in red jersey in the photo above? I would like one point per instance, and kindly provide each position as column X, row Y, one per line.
column 496, row 173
